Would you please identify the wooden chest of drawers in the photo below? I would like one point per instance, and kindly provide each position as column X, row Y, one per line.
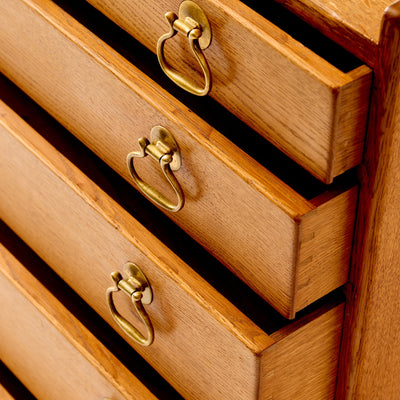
column 283, row 250
column 284, row 234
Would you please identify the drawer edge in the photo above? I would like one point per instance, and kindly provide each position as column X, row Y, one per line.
column 303, row 365
column 71, row 329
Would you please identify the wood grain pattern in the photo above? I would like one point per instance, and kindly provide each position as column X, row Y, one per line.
column 97, row 238
column 256, row 70
column 84, row 236
column 49, row 350
column 316, row 233
column 291, row 360
column 354, row 24
column 370, row 363
column 97, row 95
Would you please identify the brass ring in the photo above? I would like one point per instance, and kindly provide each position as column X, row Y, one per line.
column 139, row 290
column 164, row 149
column 193, row 23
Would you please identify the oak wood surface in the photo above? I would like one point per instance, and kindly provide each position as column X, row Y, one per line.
column 314, row 266
column 354, row 24
column 288, row 360
column 49, row 350
column 256, row 70
column 95, row 238
column 98, row 96
column 84, row 235
column 370, row 364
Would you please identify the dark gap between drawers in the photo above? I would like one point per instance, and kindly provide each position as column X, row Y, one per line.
column 85, row 314
column 13, row 386
column 224, row 281
column 305, row 34
column 208, row 109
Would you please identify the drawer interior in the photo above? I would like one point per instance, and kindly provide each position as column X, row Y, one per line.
column 305, row 34
column 228, row 284
column 272, row 11
column 103, row 332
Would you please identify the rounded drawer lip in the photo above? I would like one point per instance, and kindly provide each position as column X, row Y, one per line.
column 93, row 91
column 81, row 232
column 286, row 92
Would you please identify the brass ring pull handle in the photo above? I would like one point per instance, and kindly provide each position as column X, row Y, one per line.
column 164, row 149
column 193, row 23
column 137, row 287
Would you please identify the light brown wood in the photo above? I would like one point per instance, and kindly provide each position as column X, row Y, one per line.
column 273, row 83
column 317, row 233
column 288, row 359
column 354, row 24
column 370, row 364
column 97, row 95
column 84, row 235
column 4, row 394
column 49, row 350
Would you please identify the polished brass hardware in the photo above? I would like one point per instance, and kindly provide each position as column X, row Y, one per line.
column 192, row 23
column 137, row 287
column 164, row 149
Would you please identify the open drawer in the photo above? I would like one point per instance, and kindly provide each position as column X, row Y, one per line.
column 290, row 249
column 84, row 235
column 309, row 108
column 50, row 351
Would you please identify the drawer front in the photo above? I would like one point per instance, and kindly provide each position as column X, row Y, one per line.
column 84, row 236
column 305, row 106
column 49, row 350
column 108, row 105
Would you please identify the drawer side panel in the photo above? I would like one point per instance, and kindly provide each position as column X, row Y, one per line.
column 325, row 250
column 33, row 347
column 303, row 365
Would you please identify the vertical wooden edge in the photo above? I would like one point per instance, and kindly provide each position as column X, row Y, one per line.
column 296, row 257
column 71, row 328
column 325, row 248
column 302, row 364
column 370, row 355
column 334, row 27
column 351, row 119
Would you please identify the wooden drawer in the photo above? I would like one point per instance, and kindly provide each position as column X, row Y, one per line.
column 84, row 235
column 312, row 110
column 290, row 249
column 49, row 349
